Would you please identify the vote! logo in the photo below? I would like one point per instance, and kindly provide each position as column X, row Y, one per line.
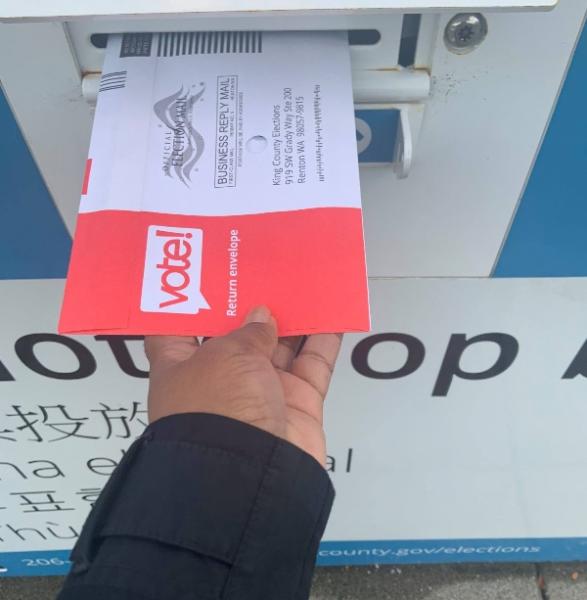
column 173, row 270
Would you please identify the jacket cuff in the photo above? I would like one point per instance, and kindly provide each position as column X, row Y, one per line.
column 223, row 489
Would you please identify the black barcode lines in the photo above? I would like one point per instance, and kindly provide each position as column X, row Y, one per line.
column 112, row 81
column 209, row 42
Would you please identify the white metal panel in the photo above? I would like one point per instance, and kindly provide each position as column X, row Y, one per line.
column 383, row 55
column 42, row 83
column 62, row 9
column 482, row 127
column 427, row 40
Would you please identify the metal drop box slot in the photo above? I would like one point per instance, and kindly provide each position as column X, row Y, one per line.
column 389, row 48
column 385, row 76
column 51, row 57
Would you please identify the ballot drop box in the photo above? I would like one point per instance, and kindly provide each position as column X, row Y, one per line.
column 456, row 426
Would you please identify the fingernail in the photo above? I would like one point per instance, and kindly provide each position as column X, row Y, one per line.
column 259, row 314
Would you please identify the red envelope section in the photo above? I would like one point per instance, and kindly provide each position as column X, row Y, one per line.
column 151, row 273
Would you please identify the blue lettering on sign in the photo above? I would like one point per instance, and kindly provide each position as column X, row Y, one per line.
column 398, row 552
column 390, row 552
column 40, row 562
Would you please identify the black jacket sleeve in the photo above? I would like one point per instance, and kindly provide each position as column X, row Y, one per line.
column 204, row 507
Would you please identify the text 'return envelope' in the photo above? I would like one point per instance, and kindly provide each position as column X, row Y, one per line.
column 222, row 174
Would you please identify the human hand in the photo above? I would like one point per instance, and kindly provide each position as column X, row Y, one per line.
column 250, row 375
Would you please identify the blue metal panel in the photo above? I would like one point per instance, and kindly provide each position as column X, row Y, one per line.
column 34, row 242
column 549, row 234
column 376, row 134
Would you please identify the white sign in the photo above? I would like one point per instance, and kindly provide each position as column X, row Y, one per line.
column 456, row 428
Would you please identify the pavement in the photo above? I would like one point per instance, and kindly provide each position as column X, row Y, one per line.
column 439, row 582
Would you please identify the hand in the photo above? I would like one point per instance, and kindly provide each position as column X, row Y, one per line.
column 250, row 375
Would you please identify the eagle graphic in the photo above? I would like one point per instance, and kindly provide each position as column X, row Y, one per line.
column 175, row 112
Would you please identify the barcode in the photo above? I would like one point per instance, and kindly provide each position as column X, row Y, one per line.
column 112, row 81
column 223, row 42
column 136, row 44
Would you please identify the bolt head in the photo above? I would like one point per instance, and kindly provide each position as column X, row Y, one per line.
column 465, row 32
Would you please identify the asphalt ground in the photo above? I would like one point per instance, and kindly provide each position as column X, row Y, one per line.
column 430, row 582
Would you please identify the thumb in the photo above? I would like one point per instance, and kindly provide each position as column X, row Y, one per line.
column 166, row 350
column 258, row 333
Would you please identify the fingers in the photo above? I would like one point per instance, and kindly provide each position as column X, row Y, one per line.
column 315, row 362
column 259, row 332
column 287, row 348
column 165, row 350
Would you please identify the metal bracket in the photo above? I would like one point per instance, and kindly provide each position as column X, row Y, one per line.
column 370, row 87
column 410, row 124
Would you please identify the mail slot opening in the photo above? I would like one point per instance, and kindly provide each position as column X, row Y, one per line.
column 364, row 37
column 99, row 40
column 357, row 37
column 409, row 41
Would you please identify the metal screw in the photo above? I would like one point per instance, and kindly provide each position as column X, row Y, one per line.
column 465, row 32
